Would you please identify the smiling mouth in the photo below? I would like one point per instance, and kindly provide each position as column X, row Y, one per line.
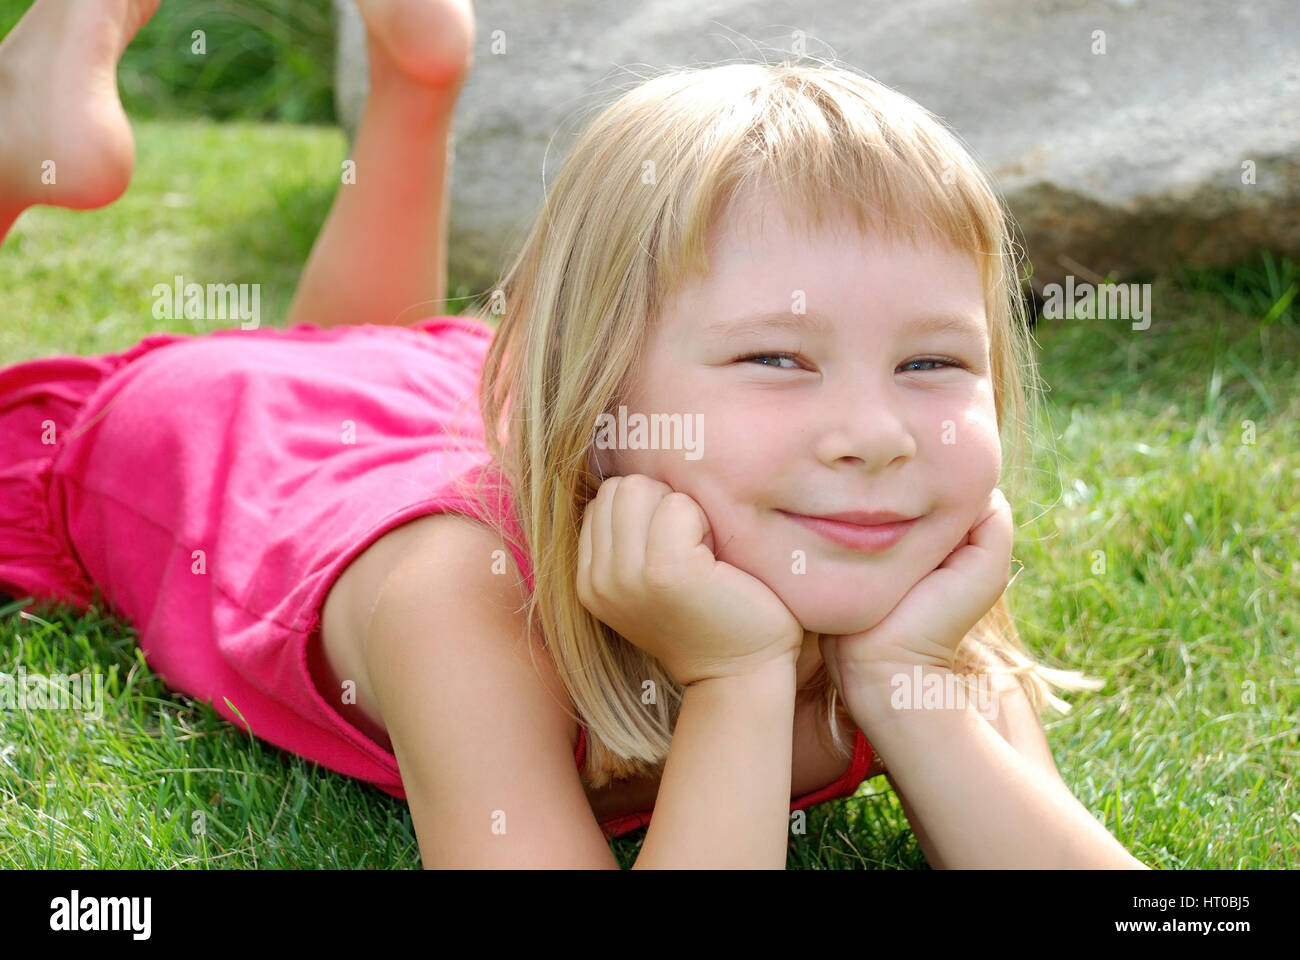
column 855, row 536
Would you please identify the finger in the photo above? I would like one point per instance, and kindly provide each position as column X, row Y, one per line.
column 633, row 506
column 678, row 526
column 948, row 563
column 583, row 580
column 602, row 536
column 996, row 499
column 996, row 525
column 986, row 560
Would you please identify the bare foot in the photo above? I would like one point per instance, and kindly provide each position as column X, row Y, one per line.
column 430, row 42
column 66, row 141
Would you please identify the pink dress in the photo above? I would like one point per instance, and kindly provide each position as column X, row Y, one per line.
column 212, row 488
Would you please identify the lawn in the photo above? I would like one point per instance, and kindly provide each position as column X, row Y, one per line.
column 1158, row 536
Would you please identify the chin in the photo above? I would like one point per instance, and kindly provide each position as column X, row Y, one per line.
column 836, row 618
column 844, row 600
column 839, row 602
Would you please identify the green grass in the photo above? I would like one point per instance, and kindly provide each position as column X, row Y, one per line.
column 224, row 203
column 213, row 203
column 254, row 60
column 1187, row 754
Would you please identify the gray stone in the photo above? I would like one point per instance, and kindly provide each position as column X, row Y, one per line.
column 1128, row 161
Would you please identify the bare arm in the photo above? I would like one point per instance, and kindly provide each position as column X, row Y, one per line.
column 479, row 724
column 1018, row 724
column 482, row 733
column 984, row 803
column 724, row 801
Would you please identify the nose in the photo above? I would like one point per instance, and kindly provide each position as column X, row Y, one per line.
column 862, row 423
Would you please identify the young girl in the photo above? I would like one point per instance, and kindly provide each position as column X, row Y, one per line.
column 541, row 632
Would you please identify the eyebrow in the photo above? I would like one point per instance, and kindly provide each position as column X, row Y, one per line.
column 816, row 323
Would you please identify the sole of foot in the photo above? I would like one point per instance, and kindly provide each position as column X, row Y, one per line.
column 430, row 42
column 67, row 140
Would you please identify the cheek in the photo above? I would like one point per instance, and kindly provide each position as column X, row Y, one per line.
column 981, row 454
column 969, row 444
column 966, row 471
column 731, row 484
column 742, row 445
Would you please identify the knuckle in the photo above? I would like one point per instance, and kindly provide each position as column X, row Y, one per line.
column 625, row 575
column 645, row 484
column 676, row 500
column 599, row 585
column 660, row 577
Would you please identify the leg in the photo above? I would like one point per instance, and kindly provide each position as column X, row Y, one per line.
column 66, row 142
column 381, row 254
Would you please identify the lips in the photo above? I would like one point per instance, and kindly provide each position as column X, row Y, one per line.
column 863, row 518
column 883, row 530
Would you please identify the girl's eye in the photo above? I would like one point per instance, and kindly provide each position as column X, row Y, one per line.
column 938, row 362
column 769, row 356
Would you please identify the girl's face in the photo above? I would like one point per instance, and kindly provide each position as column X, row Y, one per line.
column 855, row 420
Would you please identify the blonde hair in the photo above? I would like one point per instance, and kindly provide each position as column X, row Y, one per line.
column 606, row 253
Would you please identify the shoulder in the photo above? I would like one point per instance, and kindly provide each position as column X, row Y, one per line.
column 475, row 709
column 447, row 567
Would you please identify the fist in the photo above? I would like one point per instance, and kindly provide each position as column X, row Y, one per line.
column 646, row 568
